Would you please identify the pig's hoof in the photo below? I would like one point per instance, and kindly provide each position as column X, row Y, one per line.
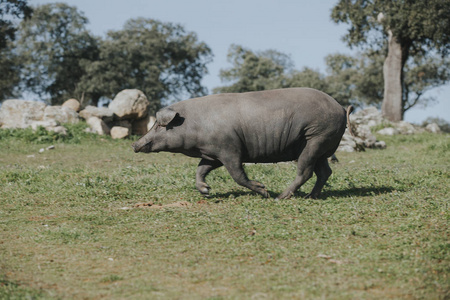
column 311, row 196
column 203, row 188
column 258, row 184
column 264, row 193
column 284, row 195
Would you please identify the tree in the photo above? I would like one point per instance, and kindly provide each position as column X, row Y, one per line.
column 408, row 27
column 9, row 64
column 9, row 73
column 254, row 71
column 355, row 80
column 54, row 44
column 161, row 59
column 270, row 69
column 12, row 9
column 360, row 79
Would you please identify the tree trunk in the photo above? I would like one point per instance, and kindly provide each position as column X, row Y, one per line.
column 392, row 107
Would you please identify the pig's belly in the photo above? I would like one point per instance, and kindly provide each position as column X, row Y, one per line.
column 289, row 153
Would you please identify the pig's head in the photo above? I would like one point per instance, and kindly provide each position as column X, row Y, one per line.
column 163, row 135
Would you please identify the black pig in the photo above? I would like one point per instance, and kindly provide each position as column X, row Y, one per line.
column 300, row 124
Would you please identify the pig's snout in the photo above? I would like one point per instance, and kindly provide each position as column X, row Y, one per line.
column 136, row 147
column 140, row 146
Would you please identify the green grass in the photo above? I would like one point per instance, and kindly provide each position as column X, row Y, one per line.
column 382, row 224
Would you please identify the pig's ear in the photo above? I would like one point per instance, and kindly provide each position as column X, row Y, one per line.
column 165, row 116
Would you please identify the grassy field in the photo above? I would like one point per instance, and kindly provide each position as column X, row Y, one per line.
column 380, row 230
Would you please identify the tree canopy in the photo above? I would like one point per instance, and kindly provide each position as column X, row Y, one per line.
column 52, row 45
column 252, row 71
column 9, row 63
column 60, row 59
column 356, row 80
column 406, row 28
column 161, row 59
column 12, row 9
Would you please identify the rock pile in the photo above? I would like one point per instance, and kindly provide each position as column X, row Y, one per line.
column 126, row 114
column 369, row 120
column 23, row 114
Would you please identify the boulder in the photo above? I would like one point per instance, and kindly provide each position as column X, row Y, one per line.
column 380, row 145
column 364, row 133
column 118, row 132
column 370, row 116
column 98, row 126
column 100, row 112
column 73, row 104
column 130, row 104
column 350, row 143
column 20, row 113
column 60, row 114
column 388, row 131
column 405, row 127
column 433, row 128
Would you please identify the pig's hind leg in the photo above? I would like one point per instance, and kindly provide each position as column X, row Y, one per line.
column 306, row 165
column 323, row 172
column 204, row 167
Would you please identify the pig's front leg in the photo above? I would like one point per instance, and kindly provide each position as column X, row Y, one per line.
column 204, row 167
column 236, row 170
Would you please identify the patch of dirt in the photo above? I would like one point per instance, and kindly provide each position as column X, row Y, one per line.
column 158, row 206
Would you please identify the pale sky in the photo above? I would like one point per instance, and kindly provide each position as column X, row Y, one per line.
column 300, row 28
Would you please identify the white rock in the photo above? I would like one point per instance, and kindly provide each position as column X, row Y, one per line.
column 346, row 148
column 60, row 114
column 98, row 126
column 388, row 131
column 433, row 128
column 118, row 132
column 72, row 104
column 405, row 127
column 100, row 112
column 130, row 104
column 20, row 113
column 380, row 145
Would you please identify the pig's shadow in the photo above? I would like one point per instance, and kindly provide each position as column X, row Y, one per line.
column 349, row 192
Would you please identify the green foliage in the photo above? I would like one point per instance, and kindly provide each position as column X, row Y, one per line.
column 419, row 25
column 75, row 134
column 254, row 71
column 421, row 74
column 443, row 124
column 60, row 59
column 360, row 78
column 9, row 73
column 9, row 63
column 161, row 59
column 419, row 29
column 10, row 9
column 53, row 44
